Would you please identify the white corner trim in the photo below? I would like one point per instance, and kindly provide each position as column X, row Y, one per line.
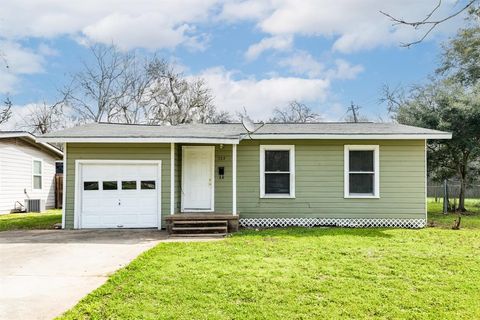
column 234, row 179
column 172, row 178
column 77, row 216
column 346, row 165
column 290, row 148
column 426, row 181
column 64, row 192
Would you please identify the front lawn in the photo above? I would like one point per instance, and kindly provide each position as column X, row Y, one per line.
column 22, row 221
column 297, row 273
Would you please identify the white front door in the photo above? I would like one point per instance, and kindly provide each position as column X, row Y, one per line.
column 119, row 195
column 197, row 178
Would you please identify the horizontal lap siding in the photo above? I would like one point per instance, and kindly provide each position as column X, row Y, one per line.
column 124, row 151
column 319, row 182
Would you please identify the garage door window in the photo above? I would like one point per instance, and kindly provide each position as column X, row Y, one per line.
column 147, row 185
column 90, row 185
column 110, row 185
column 129, row 185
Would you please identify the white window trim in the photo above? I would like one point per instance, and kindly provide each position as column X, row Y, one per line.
column 37, row 175
column 376, row 172
column 290, row 148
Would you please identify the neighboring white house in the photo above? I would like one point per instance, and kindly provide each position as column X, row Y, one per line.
column 27, row 170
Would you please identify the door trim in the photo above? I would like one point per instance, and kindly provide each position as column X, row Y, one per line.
column 211, row 149
column 77, row 211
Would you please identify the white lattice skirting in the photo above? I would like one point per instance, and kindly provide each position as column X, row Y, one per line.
column 332, row 222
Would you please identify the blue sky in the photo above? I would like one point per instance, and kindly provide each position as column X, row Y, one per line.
column 254, row 54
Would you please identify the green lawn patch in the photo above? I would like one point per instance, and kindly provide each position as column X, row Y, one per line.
column 470, row 219
column 22, row 221
column 300, row 273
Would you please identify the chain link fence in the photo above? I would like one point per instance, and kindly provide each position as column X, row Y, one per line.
column 437, row 191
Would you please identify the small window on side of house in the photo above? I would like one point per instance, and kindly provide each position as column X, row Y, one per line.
column 37, row 174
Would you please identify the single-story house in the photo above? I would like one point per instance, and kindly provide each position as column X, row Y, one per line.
column 342, row 174
column 27, row 171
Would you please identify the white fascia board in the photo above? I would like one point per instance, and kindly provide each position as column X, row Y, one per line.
column 350, row 136
column 138, row 140
column 33, row 139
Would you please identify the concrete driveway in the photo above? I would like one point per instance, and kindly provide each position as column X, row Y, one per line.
column 44, row 273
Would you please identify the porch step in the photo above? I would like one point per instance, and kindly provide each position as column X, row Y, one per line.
column 198, row 235
column 200, row 222
column 198, row 227
column 220, row 228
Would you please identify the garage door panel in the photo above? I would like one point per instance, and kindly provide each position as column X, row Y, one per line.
column 129, row 208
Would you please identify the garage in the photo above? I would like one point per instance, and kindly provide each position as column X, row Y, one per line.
column 118, row 194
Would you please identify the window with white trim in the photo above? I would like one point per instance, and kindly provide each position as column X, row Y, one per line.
column 277, row 171
column 37, row 174
column 361, row 164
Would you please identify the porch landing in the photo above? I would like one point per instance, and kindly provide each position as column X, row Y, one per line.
column 192, row 224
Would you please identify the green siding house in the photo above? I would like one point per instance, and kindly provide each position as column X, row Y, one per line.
column 313, row 174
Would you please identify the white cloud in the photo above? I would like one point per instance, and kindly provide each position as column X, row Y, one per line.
column 261, row 96
column 280, row 43
column 344, row 70
column 16, row 60
column 144, row 23
column 355, row 25
column 303, row 63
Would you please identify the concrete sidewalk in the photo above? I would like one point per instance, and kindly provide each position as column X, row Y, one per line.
column 43, row 273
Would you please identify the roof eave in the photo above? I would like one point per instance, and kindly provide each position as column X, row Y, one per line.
column 367, row 136
column 30, row 137
column 139, row 139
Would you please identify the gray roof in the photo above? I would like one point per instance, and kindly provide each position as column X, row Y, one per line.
column 27, row 136
column 234, row 132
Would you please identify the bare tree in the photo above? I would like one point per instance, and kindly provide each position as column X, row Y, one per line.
column 295, row 112
column 120, row 87
column 95, row 91
column 44, row 118
column 178, row 100
column 428, row 20
column 6, row 111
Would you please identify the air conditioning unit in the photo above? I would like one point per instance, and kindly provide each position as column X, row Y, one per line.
column 34, row 205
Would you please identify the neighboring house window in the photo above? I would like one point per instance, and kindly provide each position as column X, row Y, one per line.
column 277, row 171
column 58, row 167
column 37, row 174
column 362, row 179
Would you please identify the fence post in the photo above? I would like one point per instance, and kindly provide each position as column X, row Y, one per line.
column 445, row 197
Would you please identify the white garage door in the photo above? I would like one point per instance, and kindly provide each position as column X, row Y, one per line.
column 120, row 195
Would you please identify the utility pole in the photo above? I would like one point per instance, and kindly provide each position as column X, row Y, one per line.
column 354, row 109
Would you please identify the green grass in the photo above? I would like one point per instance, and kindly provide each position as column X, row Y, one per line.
column 471, row 219
column 297, row 273
column 23, row 221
